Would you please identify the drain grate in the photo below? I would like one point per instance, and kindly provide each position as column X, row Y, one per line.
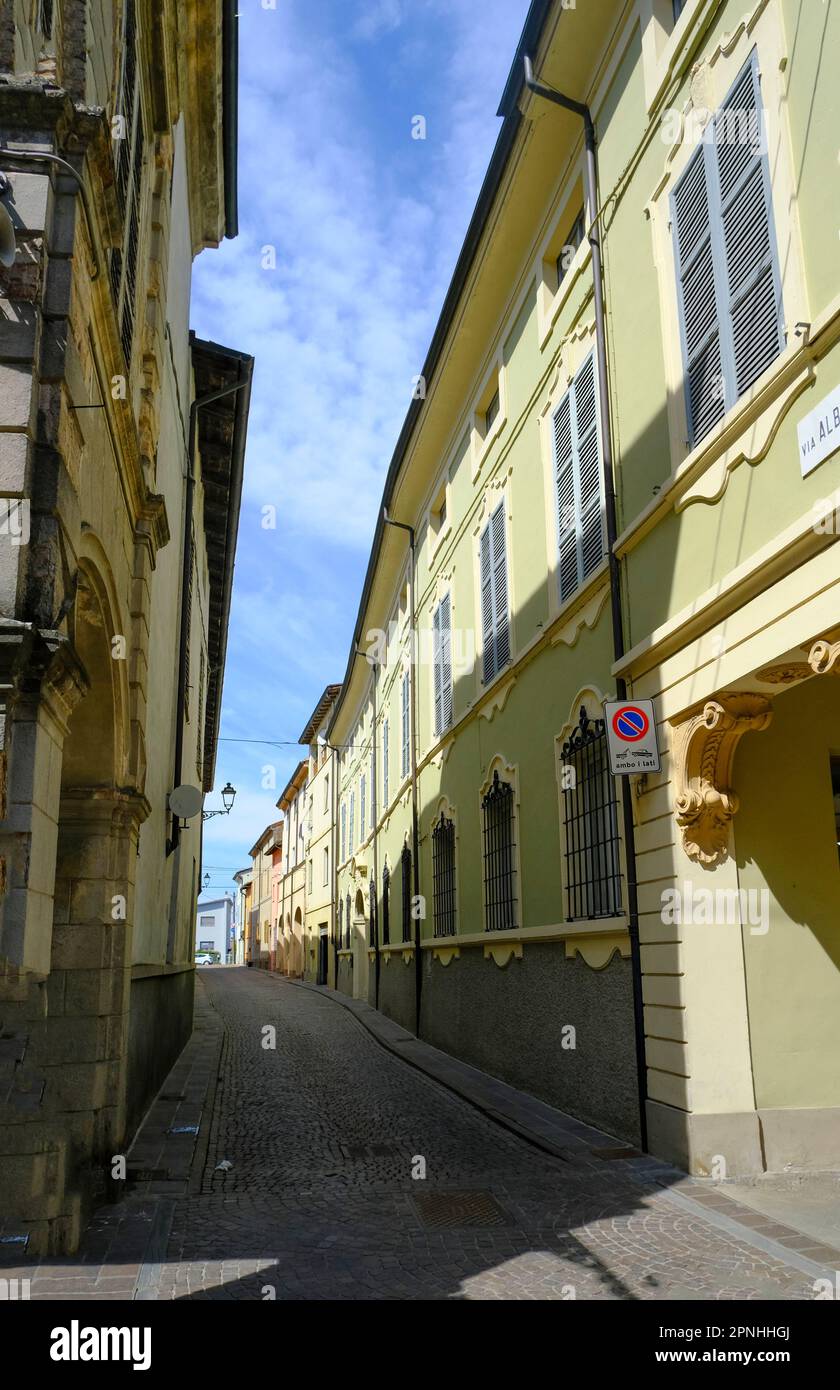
column 444, row 1209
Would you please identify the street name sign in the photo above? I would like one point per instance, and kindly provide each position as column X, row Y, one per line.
column 819, row 432
column 631, row 736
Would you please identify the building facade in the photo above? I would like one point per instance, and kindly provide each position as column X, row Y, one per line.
column 120, row 500
column 243, row 880
column 295, row 805
column 619, row 480
column 319, row 935
column 261, row 936
column 214, row 928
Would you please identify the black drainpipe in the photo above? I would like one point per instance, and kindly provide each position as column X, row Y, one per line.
column 186, row 571
column 582, row 110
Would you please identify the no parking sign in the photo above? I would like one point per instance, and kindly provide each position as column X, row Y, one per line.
column 631, row 736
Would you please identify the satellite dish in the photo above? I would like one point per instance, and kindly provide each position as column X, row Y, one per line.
column 8, row 247
column 185, row 802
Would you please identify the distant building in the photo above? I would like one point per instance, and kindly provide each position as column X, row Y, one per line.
column 243, row 880
column 214, row 928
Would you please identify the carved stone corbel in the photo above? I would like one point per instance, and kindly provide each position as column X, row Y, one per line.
column 703, row 749
column 823, row 656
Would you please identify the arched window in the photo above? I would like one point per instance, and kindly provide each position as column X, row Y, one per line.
column 593, row 873
column 499, row 856
column 405, row 866
column 443, row 875
column 386, row 906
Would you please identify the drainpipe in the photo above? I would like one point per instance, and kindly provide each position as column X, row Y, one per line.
column 581, row 109
column 412, row 735
column 186, row 571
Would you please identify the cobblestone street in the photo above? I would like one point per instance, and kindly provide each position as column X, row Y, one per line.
column 299, row 1185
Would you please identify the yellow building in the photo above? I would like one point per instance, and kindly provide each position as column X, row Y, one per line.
column 319, row 846
column 123, row 488
column 293, row 872
column 621, row 480
column 262, row 934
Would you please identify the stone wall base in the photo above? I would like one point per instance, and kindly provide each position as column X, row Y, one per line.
column 747, row 1142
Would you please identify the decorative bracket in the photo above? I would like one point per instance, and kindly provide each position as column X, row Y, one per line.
column 703, row 749
column 823, row 656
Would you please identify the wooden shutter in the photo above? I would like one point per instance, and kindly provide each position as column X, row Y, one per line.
column 446, row 661
column 753, row 282
column 699, row 308
column 362, row 789
column 406, row 726
column 352, row 819
column 385, row 764
column 343, row 831
column 500, row 593
column 487, row 615
column 578, row 480
column 564, row 474
column 437, row 668
column 730, row 295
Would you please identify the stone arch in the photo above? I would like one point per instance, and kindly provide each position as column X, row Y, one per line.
column 96, row 744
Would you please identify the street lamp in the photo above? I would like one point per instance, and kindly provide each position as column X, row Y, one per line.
column 206, row 882
column 228, row 794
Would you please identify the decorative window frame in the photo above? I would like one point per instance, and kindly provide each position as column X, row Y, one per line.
column 497, row 490
column 712, row 80
column 552, row 296
column 666, row 44
column 436, row 534
column 481, row 439
column 443, row 806
column 593, row 699
column 508, row 772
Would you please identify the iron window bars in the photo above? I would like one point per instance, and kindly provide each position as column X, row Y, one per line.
column 499, row 860
column 386, row 906
column 443, row 875
column 405, row 866
column 593, row 871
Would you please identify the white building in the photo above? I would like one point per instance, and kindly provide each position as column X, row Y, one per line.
column 214, row 927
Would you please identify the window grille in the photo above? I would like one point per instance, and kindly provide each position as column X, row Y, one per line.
column 499, row 856
column 593, row 875
column 405, row 866
column 443, row 875
column 386, row 906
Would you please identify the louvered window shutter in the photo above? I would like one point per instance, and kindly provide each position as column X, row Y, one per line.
column 577, row 471
column 406, row 723
column 500, row 596
column 567, row 516
column 362, row 790
column 445, row 662
column 487, row 617
column 352, row 820
column 730, row 295
column 385, row 764
column 343, row 831
column 753, row 282
column 437, row 668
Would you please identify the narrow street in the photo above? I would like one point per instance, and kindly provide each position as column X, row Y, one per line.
column 323, row 1132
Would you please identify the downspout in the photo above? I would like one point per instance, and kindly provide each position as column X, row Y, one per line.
column 628, row 828
column 186, row 571
column 412, row 735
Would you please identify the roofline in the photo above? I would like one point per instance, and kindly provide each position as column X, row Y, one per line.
column 290, row 785
column 512, row 119
column 269, row 830
column 331, row 693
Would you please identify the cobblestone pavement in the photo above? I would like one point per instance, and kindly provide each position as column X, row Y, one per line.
column 323, row 1134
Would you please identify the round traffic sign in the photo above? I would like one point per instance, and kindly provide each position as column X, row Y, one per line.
column 630, row 723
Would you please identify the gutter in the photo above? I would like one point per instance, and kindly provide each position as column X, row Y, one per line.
column 628, row 828
column 230, row 113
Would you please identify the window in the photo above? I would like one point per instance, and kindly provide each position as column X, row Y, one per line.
column 729, row 286
column 386, row 905
column 593, row 878
column 679, row 6
column 352, row 820
column 362, row 808
column 327, row 792
column 442, row 665
column 373, row 915
column 326, row 865
column 343, row 831
column 835, row 788
column 437, row 516
column 199, row 719
column 578, row 482
column 129, row 166
column 499, row 856
column 310, row 816
column 207, row 921
column 309, row 876
column 349, row 938
column 443, row 875
column 385, row 764
column 570, row 246
column 494, row 602
column 406, row 723
column 491, row 412
column 405, row 867
column 188, row 626
column 340, row 922
column 45, row 18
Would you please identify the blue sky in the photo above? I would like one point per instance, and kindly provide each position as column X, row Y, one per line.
column 366, row 224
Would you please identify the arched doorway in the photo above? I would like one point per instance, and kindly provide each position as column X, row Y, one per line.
column 359, row 940
column 297, row 948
